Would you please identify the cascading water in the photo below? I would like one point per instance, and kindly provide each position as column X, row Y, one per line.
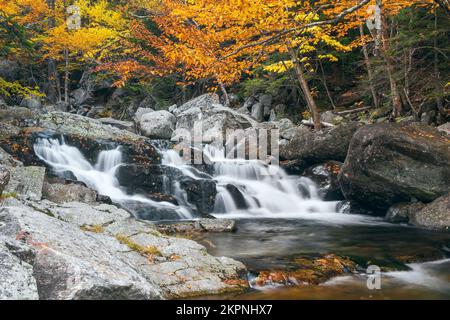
column 246, row 188
column 252, row 189
column 101, row 176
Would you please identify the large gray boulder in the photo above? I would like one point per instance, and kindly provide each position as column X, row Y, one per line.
column 140, row 112
column 158, row 124
column 213, row 118
column 435, row 215
column 26, row 182
column 316, row 147
column 32, row 102
column 391, row 163
column 81, row 251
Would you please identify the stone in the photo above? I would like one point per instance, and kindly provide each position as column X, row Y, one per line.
column 158, row 124
column 140, row 112
column 201, row 225
column 435, row 216
column 32, row 102
column 80, row 96
column 392, row 163
column 16, row 277
column 445, row 128
column 79, row 251
column 315, row 147
column 258, row 112
column 4, row 178
column 123, row 125
column 26, row 182
column 401, row 212
column 72, row 192
column 325, row 175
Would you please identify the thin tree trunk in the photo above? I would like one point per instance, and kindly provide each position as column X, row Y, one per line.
column 66, row 76
column 437, row 74
column 306, row 90
column 324, row 80
column 395, row 95
column 369, row 67
column 54, row 86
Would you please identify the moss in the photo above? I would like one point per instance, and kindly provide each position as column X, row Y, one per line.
column 7, row 195
column 93, row 228
column 145, row 251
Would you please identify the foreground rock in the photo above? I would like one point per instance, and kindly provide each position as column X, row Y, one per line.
column 68, row 192
column 4, row 178
column 435, row 215
column 17, row 281
column 391, row 163
column 310, row 147
column 78, row 251
column 201, row 225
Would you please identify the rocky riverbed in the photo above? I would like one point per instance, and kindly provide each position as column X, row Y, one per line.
column 82, row 200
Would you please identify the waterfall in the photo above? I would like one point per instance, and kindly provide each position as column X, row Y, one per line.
column 259, row 190
column 101, row 176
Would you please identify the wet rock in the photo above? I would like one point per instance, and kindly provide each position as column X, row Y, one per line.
column 16, row 277
column 63, row 193
column 201, row 225
column 201, row 193
column 158, row 124
column 315, row 147
column 392, row 163
column 435, row 215
column 401, row 212
column 26, row 182
column 4, row 178
column 122, row 125
column 326, row 177
column 311, row 271
column 237, row 196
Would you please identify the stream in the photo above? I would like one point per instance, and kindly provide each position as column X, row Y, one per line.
column 281, row 218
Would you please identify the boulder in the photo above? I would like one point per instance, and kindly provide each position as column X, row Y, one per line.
column 325, row 175
column 201, row 193
column 4, row 178
column 444, row 127
column 258, row 112
column 214, row 119
column 278, row 112
column 330, row 117
column 80, row 96
column 435, row 215
column 78, row 251
column 140, row 112
column 401, row 212
column 26, row 182
column 71, row 192
column 158, row 124
column 391, row 163
column 316, row 147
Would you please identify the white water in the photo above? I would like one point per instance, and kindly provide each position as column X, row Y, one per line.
column 100, row 177
column 264, row 191
column 268, row 192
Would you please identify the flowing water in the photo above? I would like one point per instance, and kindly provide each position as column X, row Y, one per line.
column 279, row 218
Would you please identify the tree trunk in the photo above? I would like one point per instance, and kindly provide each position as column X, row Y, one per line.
column 369, row 68
column 395, row 94
column 54, row 85
column 437, row 75
column 305, row 88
